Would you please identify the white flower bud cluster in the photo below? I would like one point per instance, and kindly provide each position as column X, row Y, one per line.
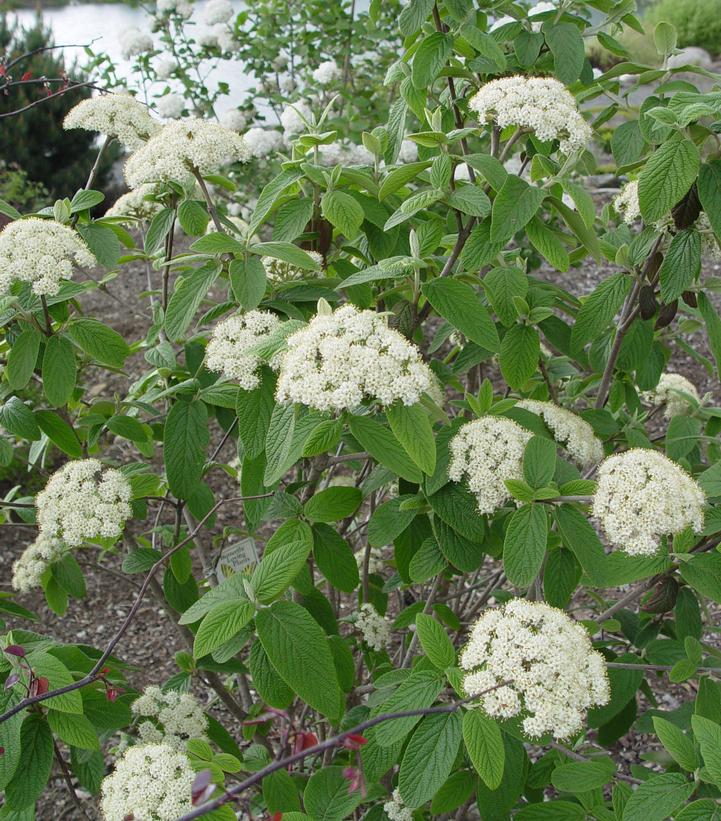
column 375, row 561
column 40, row 251
column 641, row 496
column 115, row 115
column 291, row 119
column 396, row 810
column 166, row 8
column 487, row 452
column 538, row 104
column 217, row 11
column 229, row 350
column 342, row 358
column 344, row 153
column 151, row 782
column 181, row 146
column 134, row 205
column 170, row 106
column 327, row 73
column 670, row 392
column 165, row 67
column 544, row 662
column 569, row 430
column 263, row 141
column 35, row 560
column 234, row 120
column 625, row 203
column 84, row 501
column 134, row 42
column 408, row 152
column 172, row 717
column 376, row 630
column 280, row 271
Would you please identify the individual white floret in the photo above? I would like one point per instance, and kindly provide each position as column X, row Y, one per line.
column 84, row 501
column 134, row 42
column 278, row 270
column 373, row 627
column 181, row 147
column 35, row 560
column 135, row 205
column 114, row 115
column 151, row 782
column 569, row 430
column 327, row 73
column 641, row 496
column 340, row 359
column 294, row 117
column 625, row 203
column 541, row 105
column 169, row 717
column 217, row 11
column 485, row 453
column 263, row 141
column 396, row 810
column 542, row 665
column 170, row 106
column 42, row 252
column 229, row 349
column 672, row 392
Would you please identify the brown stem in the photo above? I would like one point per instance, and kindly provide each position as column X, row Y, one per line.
column 67, row 778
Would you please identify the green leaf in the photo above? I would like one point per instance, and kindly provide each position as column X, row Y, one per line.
column 460, row 305
column 435, row 642
column 709, row 192
column 22, row 358
column 627, row 143
column 335, row 558
column 502, row 285
column 417, row 692
column 658, row 798
column 429, row 59
column 599, row 308
column 713, row 327
column 560, row 577
column 36, row 744
column 469, row 199
column 17, row 418
column 287, row 252
column 327, row 797
column 270, row 195
column 519, row 355
column 217, row 243
column 514, row 206
column 292, row 219
column 429, row 757
column 539, row 461
column 708, row 735
column 678, row 744
column 254, row 410
column 297, row 647
column 457, row 507
column 59, row 432
column 388, row 521
column 223, row 622
column 103, row 242
column 185, row 300
column 703, row 573
column 160, row 227
column 77, row 731
column 566, row 44
column 548, row 243
column 525, row 544
column 343, row 212
column 100, row 343
column 9, row 738
column 412, row 428
column 414, row 15
column 185, row 442
column 58, row 370
column 384, row 447
column 582, row 776
column 485, row 747
column 193, row 217
column 325, row 436
column 455, row 792
column 45, row 664
column 681, row 265
column 273, row 575
column 332, row 504
column 248, row 280
column 668, row 174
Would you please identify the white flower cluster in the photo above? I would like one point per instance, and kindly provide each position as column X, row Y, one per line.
column 134, row 42
column 327, row 73
column 217, row 11
column 115, row 115
column 40, row 251
column 342, row 358
column 263, row 141
column 151, row 782
column 574, row 433
column 166, row 8
column 29, row 568
column 172, row 717
column 344, row 153
column 408, row 151
column 165, row 67
column 641, row 496
column 180, row 147
column 539, row 104
column 373, row 627
column 229, row 350
column 487, row 452
column 625, row 203
column 396, row 810
column 170, row 106
column 234, row 120
column 375, row 560
column 544, row 663
column 669, row 392
column 134, row 205
column 84, row 501
column 292, row 116
column 218, row 36
column 280, row 271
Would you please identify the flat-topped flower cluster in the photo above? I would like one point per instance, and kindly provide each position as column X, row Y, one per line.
column 373, row 627
column 669, row 393
column 569, row 430
column 230, row 349
column 169, row 717
column 36, row 558
column 114, row 115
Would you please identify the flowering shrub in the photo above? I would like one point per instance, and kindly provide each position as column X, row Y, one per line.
column 434, row 527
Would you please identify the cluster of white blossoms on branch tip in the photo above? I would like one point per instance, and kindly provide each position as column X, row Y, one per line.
column 373, row 627
column 182, row 147
column 542, row 665
column 485, row 453
column 183, row 8
column 229, row 350
column 40, row 251
column 279, row 270
column 84, row 501
column 625, row 203
column 263, row 141
column 115, row 115
column 669, row 392
column 217, row 11
column 292, row 117
column 134, row 42
column 569, row 430
column 327, row 73
column 135, row 205
column 35, row 560
column 396, row 810
column 170, row 106
column 171, row 717
column 341, row 358
column 151, row 782
column 641, row 496
column 343, row 153
column 538, row 104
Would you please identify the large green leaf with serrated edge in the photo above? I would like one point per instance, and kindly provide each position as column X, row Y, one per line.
column 223, row 622
column 185, row 300
column 668, row 174
column 519, row 354
column 428, row 757
column 36, row 745
column 485, row 747
column 599, row 308
column 525, row 544
column 514, row 206
column 658, row 797
column 412, row 428
column 417, row 692
column 384, row 447
column 185, row 442
column 681, row 264
column 461, row 306
column 327, row 796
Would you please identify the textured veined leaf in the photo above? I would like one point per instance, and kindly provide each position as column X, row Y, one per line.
column 429, row 757
column 484, row 743
column 668, row 174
